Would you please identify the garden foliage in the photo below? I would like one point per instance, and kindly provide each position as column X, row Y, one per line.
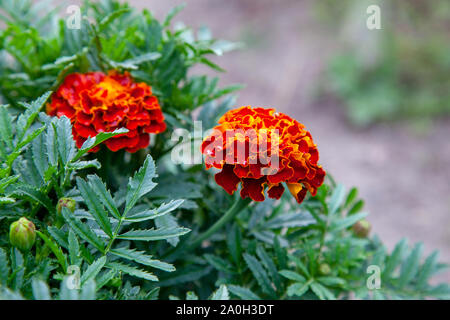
column 130, row 234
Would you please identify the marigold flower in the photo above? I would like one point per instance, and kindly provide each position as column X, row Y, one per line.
column 259, row 147
column 95, row 102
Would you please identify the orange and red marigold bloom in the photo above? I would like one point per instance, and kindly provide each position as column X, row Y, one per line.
column 259, row 147
column 95, row 102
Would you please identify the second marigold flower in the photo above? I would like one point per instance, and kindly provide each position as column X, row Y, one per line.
column 261, row 148
column 95, row 103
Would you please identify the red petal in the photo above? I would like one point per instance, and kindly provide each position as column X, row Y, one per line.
column 144, row 141
column 275, row 192
column 227, row 179
column 253, row 188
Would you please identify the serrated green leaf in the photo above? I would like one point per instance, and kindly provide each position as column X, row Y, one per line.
column 82, row 230
column 280, row 253
column 427, row 269
column 28, row 172
column 142, row 258
column 395, row 258
column 4, row 267
column 39, row 155
column 331, row 281
column 153, row 294
column 153, row 213
column 441, row 291
column 243, row 293
column 7, row 294
column 269, row 265
column 59, row 236
column 74, row 248
column 168, row 222
column 52, row 145
column 259, row 273
column 6, row 131
column 153, row 234
column 219, row 263
column 141, row 183
column 132, row 271
column 211, row 64
column 351, row 197
column 94, row 204
column 410, row 266
column 93, row 270
column 105, row 277
column 92, row 142
column 36, row 195
column 289, row 220
column 133, row 63
column 188, row 274
column 221, row 293
column 110, row 18
column 18, row 269
column 7, row 181
column 291, row 275
column 80, row 165
column 103, row 195
column 7, row 200
column 176, row 188
column 336, row 200
column 27, row 118
column 30, row 137
column 168, row 207
column 356, row 207
column 299, row 265
column 343, row 223
column 172, row 13
column 66, row 144
column 322, row 292
column 298, row 289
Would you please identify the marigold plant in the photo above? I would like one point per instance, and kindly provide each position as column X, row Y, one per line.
column 95, row 103
column 81, row 225
column 245, row 144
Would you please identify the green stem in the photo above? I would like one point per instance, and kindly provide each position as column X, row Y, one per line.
column 116, row 232
column 228, row 216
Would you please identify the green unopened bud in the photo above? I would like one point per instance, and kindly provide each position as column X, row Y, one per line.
column 324, row 269
column 69, row 203
column 22, row 234
column 362, row 228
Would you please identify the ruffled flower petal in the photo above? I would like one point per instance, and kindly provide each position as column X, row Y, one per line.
column 95, row 103
column 227, row 179
column 256, row 147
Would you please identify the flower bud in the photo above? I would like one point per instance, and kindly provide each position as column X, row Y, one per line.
column 69, row 203
column 362, row 228
column 22, row 234
column 324, row 269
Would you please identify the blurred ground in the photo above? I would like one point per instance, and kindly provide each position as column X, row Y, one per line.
column 404, row 177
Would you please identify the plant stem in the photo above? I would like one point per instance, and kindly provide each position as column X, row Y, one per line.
column 228, row 216
column 115, row 234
